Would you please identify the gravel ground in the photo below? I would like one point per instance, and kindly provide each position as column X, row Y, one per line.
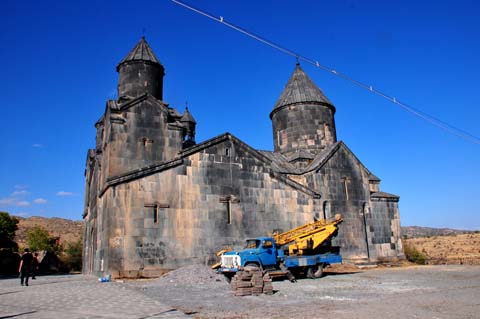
column 404, row 292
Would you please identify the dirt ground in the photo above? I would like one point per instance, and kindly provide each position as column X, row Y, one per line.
column 347, row 292
column 461, row 249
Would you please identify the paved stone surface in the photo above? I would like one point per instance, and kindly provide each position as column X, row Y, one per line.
column 76, row 296
column 440, row 292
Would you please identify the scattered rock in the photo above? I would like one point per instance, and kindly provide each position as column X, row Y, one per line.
column 192, row 275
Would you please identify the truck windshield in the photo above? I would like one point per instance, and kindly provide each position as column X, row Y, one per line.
column 252, row 243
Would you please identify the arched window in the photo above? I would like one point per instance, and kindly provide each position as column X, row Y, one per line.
column 327, row 214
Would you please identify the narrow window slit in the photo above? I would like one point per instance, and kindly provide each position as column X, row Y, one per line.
column 155, row 214
column 229, row 213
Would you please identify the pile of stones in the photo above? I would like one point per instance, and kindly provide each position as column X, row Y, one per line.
column 251, row 281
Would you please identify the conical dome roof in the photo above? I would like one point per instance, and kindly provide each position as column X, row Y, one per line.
column 187, row 117
column 300, row 88
column 141, row 52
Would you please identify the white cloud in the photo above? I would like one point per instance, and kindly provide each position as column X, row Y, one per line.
column 22, row 203
column 22, row 214
column 40, row 201
column 37, row 145
column 64, row 193
column 7, row 201
column 18, row 197
column 15, row 198
column 19, row 193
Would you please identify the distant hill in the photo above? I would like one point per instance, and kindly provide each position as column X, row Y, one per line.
column 456, row 249
column 68, row 230
column 418, row 231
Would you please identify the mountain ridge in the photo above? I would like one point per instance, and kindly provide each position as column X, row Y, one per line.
column 66, row 230
column 422, row 231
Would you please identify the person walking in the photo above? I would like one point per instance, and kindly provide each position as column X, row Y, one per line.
column 34, row 266
column 25, row 266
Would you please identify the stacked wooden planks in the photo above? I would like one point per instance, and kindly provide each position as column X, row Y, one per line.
column 252, row 281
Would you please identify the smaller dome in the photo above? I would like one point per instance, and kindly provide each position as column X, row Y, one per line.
column 187, row 117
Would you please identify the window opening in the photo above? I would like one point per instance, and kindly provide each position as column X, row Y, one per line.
column 155, row 214
column 346, row 181
column 252, row 243
column 229, row 213
column 229, row 200
column 326, row 210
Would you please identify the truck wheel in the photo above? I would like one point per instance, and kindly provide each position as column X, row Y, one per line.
column 315, row 272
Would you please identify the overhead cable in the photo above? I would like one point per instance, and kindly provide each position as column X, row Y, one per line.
column 426, row 117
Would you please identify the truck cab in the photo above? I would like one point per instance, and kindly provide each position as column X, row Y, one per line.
column 260, row 252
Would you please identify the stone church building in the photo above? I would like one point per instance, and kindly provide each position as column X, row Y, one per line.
column 157, row 200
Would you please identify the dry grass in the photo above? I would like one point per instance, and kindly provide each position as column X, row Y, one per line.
column 457, row 249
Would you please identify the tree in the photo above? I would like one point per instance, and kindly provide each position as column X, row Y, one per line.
column 8, row 226
column 73, row 255
column 38, row 239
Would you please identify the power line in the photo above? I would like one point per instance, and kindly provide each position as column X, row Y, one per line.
column 426, row 117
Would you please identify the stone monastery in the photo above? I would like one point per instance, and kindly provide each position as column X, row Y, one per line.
column 156, row 200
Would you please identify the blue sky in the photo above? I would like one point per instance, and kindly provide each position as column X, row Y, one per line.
column 59, row 60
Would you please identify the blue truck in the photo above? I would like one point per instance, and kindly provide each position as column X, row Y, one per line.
column 300, row 251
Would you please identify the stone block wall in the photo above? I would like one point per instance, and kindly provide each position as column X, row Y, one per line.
column 141, row 139
column 343, row 183
column 224, row 193
column 136, row 78
column 384, row 229
column 185, row 214
column 303, row 126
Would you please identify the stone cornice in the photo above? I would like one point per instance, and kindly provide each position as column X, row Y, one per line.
column 259, row 156
column 330, row 106
column 152, row 169
column 139, row 173
column 294, row 184
column 382, row 196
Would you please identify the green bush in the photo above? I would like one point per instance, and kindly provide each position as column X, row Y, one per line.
column 72, row 256
column 8, row 226
column 39, row 239
column 69, row 258
column 414, row 255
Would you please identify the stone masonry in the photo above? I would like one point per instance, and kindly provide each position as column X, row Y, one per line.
column 155, row 200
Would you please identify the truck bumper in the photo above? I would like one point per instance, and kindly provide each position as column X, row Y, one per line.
column 227, row 270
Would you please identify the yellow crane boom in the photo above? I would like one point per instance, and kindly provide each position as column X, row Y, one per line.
column 307, row 237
